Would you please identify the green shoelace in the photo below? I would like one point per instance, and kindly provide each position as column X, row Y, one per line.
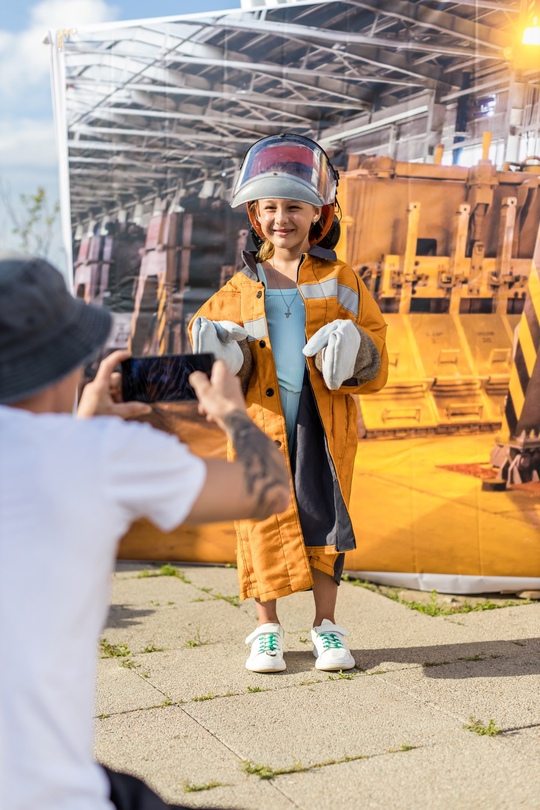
column 268, row 643
column 331, row 641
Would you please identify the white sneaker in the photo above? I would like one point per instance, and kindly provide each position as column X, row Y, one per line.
column 266, row 649
column 331, row 650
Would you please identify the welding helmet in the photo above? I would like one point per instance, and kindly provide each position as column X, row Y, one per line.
column 288, row 167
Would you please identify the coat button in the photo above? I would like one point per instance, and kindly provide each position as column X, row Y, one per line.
column 259, row 294
column 269, row 392
column 277, row 442
column 262, row 343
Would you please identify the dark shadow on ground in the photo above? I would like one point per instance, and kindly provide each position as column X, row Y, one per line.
column 482, row 659
column 123, row 616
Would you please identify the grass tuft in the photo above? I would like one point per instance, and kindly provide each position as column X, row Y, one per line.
column 165, row 571
column 109, row 650
column 266, row 772
column 189, row 787
column 480, row 728
column 343, row 676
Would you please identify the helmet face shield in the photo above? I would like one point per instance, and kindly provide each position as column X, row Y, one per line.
column 287, row 167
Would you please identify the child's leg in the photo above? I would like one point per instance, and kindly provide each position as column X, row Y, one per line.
column 330, row 647
column 325, row 594
column 267, row 612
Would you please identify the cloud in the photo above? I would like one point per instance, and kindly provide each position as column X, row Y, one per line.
column 27, row 143
column 24, row 59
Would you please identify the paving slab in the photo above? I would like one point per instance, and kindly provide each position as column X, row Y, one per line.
column 176, row 752
column 506, row 690
column 315, row 723
column 474, row 775
column 122, row 689
column 398, row 718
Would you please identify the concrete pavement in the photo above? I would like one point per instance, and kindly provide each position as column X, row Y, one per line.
column 176, row 706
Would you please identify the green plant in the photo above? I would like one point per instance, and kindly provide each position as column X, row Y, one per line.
column 342, row 676
column 266, row 772
column 151, row 649
column 109, row 650
column 197, row 640
column 129, row 663
column 189, row 787
column 165, row 571
column 403, row 748
column 478, row 727
column 209, row 696
column 232, row 600
column 432, row 608
column 33, row 220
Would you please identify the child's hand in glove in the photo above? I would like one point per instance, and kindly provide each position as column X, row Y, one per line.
column 338, row 342
column 221, row 338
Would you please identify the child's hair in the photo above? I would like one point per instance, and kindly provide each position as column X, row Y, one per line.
column 266, row 250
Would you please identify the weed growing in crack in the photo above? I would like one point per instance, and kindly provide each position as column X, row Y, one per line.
column 432, row 608
column 209, row 696
column 189, row 787
column 403, row 748
column 197, row 640
column 165, row 571
column 480, row 728
column 232, row 600
column 109, row 650
column 266, row 772
column 151, row 649
column 342, row 676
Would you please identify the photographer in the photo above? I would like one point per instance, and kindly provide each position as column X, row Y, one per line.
column 69, row 490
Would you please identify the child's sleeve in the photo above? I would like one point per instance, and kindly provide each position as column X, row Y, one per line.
column 371, row 369
column 224, row 305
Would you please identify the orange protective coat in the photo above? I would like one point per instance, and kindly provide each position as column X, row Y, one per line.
column 272, row 559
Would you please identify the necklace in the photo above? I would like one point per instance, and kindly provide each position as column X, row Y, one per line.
column 288, row 304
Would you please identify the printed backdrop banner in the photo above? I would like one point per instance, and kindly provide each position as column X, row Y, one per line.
column 153, row 119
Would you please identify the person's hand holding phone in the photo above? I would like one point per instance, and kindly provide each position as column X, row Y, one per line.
column 218, row 396
column 103, row 395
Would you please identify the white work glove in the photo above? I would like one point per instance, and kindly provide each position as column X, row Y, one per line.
column 221, row 339
column 339, row 342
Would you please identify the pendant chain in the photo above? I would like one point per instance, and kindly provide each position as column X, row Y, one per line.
column 287, row 304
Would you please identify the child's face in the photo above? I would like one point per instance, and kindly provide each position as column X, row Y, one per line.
column 286, row 223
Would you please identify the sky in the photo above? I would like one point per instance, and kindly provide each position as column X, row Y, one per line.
column 28, row 156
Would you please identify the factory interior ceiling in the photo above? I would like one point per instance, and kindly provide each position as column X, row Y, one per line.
column 161, row 104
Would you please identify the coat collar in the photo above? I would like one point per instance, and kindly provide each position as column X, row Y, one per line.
column 250, row 260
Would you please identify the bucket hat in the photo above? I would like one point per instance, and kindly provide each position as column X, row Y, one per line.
column 45, row 333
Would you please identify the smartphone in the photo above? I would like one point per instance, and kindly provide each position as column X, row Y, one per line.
column 164, row 378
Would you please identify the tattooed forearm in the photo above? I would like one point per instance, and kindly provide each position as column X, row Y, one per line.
column 266, row 475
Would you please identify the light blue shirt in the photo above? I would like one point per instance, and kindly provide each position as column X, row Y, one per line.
column 288, row 338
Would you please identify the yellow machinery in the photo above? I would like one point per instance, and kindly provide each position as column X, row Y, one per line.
column 448, row 254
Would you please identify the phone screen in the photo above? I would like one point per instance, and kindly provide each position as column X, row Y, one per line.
column 164, row 378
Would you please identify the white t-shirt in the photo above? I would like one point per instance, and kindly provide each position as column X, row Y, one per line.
column 69, row 489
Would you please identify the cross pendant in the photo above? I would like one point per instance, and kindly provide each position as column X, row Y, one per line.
column 288, row 313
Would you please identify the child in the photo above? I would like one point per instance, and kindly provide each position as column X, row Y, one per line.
column 304, row 334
